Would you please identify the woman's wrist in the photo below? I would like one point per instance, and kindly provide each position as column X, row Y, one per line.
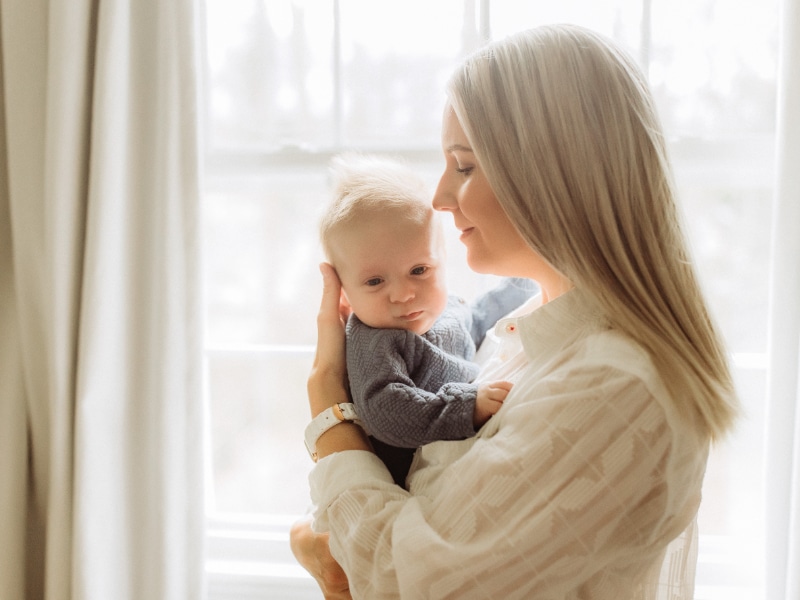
column 325, row 388
column 344, row 436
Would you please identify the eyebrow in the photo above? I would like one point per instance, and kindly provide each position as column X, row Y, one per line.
column 459, row 147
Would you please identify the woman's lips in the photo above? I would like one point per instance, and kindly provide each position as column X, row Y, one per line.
column 465, row 233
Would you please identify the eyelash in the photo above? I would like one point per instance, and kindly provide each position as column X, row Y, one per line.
column 464, row 171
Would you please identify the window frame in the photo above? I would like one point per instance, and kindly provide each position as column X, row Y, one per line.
column 248, row 555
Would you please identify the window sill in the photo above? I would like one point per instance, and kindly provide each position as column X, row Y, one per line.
column 249, row 557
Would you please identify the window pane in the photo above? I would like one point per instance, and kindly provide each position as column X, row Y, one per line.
column 620, row 19
column 730, row 229
column 396, row 57
column 713, row 65
column 262, row 253
column 732, row 511
column 260, row 462
column 270, row 74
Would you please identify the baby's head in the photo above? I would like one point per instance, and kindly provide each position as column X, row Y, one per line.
column 385, row 241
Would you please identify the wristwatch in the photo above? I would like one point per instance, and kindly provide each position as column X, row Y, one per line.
column 338, row 413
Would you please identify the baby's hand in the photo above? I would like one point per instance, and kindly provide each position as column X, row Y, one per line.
column 490, row 399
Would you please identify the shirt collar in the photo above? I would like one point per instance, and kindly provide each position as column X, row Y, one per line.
column 548, row 328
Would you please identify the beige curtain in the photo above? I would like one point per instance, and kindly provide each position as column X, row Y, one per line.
column 100, row 351
column 783, row 425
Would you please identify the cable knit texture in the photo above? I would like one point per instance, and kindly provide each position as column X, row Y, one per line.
column 412, row 389
column 397, row 379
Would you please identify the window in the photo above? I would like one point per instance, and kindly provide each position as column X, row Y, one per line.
column 290, row 83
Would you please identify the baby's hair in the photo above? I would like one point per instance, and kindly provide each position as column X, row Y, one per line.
column 368, row 185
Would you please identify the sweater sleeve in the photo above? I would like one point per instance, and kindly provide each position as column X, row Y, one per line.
column 575, row 495
column 391, row 406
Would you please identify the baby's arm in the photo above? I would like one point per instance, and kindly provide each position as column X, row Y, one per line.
column 489, row 400
column 393, row 408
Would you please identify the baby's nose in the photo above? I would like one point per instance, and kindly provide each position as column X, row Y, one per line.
column 401, row 292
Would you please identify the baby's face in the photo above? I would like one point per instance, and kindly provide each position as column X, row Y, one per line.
column 392, row 273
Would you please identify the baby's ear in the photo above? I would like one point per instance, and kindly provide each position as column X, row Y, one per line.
column 344, row 301
column 344, row 306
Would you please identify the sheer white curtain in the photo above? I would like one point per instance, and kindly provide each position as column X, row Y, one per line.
column 100, row 357
column 783, row 435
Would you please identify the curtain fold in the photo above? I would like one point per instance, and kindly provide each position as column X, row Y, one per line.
column 101, row 491
column 13, row 434
column 783, row 415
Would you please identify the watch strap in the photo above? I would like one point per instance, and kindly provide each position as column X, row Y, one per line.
column 330, row 417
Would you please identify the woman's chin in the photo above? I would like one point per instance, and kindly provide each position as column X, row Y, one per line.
column 479, row 266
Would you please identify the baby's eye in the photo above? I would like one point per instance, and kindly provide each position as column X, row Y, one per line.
column 374, row 281
column 421, row 270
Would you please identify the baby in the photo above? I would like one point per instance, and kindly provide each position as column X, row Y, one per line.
column 410, row 344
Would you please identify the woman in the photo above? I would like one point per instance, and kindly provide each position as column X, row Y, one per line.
column 586, row 483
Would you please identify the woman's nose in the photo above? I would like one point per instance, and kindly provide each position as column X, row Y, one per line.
column 443, row 197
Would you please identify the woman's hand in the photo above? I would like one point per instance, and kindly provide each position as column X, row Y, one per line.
column 327, row 384
column 312, row 551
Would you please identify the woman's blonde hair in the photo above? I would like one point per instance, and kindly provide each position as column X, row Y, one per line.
column 563, row 123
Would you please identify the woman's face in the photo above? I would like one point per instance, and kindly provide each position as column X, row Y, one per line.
column 493, row 243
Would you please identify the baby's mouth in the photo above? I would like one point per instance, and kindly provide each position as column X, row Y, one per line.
column 412, row 316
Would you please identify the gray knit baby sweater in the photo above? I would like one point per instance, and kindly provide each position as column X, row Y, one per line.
column 412, row 389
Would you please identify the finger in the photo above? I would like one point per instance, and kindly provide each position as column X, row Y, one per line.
column 329, row 275
column 330, row 304
column 497, row 394
column 330, row 323
column 329, row 369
